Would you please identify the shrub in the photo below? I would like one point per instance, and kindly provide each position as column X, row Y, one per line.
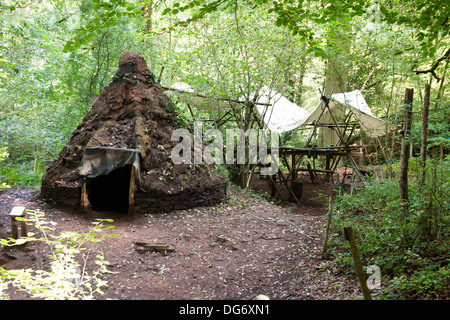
column 3, row 155
column 68, row 276
column 402, row 244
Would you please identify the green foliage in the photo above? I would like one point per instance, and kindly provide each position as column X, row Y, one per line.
column 44, row 92
column 69, row 275
column 203, row 9
column 3, row 155
column 402, row 244
column 108, row 14
column 57, row 56
column 431, row 282
column 429, row 19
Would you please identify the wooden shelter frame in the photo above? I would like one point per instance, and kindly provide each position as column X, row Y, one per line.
column 332, row 154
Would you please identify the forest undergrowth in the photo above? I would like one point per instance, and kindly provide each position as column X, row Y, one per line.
column 409, row 248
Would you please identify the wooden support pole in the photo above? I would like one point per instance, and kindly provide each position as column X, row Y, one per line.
column 132, row 190
column 23, row 227
column 285, row 183
column 327, row 229
column 362, row 277
column 296, row 190
column 311, row 174
column 327, row 167
column 292, row 167
column 14, row 228
column 85, row 204
column 274, row 189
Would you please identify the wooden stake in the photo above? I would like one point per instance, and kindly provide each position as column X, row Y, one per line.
column 362, row 277
column 23, row 227
column 14, row 228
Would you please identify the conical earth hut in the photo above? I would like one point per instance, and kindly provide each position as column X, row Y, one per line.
column 119, row 156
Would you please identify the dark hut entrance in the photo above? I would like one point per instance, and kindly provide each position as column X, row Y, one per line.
column 110, row 192
column 110, row 179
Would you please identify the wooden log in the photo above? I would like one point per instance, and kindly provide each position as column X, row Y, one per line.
column 85, row 204
column 143, row 247
column 362, row 277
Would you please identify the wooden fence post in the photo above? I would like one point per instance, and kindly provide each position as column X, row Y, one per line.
column 362, row 277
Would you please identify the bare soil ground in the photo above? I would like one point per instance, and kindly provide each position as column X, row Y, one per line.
column 236, row 250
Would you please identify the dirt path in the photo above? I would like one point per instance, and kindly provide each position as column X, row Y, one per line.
column 236, row 250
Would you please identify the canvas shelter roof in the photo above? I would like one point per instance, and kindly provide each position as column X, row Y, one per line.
column 355, row 101
column 278, row 112
column 281, row 115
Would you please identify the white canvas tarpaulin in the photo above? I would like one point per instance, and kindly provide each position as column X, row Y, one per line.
column 280, row 114
column 372, row 125
column 285, row 116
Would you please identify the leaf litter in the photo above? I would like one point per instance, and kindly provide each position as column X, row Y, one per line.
column 222, row 252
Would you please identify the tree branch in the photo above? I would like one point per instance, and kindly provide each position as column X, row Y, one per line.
column 435, row 65
column 67, row 17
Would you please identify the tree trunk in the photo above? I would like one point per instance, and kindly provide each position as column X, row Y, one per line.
column 336, row 77
column 423, row 146
column 440, row 91
column 404, row 154
column 148, row 10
